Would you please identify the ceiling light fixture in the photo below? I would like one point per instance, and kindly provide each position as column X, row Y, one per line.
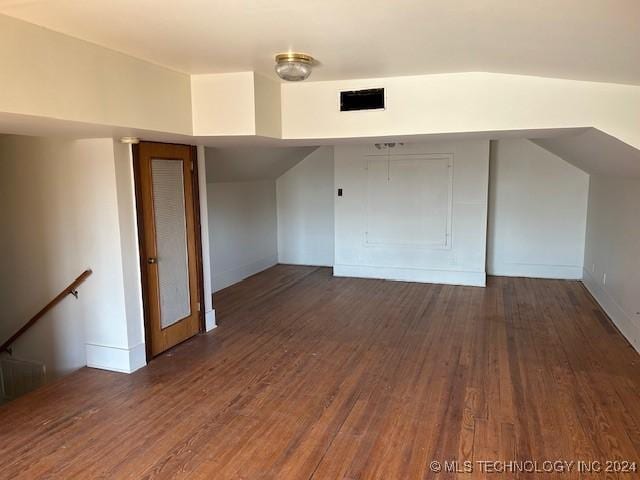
column 294, row 67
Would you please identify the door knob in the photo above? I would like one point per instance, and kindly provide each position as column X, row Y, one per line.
column 152, row 260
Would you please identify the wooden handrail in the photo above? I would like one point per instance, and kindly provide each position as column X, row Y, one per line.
column 70, row 290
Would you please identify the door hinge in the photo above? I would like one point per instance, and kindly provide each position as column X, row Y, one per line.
column 198, row 306
column 192, row 165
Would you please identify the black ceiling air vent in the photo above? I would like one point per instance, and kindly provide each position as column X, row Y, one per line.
column 370, row 99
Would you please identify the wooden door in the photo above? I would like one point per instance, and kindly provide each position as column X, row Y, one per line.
column 169, row 243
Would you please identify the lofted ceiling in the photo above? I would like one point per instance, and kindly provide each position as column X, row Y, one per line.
column 577, row 39
column 595, row 152
column 247, row 164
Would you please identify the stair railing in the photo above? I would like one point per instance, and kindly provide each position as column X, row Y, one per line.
column 71, row 289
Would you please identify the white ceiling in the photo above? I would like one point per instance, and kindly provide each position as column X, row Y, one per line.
column 246, row 164
column 578, row 39
column 589, row 149
column 595, row 152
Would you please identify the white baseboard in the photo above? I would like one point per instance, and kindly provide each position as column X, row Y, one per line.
column 284, row 261
column 305, row 260
column 229, row 277
column 449, row 277
column 623, row 320
column 210, row 320
column 116, row 359
column 563, row 272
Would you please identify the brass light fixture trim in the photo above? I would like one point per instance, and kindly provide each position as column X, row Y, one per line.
column 294, row 66
column 294, row 57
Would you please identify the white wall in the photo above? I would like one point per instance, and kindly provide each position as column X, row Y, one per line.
column 238, row 103
column 537, row 213
column 461, row 261
column 63, row 209
column 242, row 230
column 129, row 247
column 507, row 102
column 612, row 250
column 48, row 74
column 305, row 211
column 223, row 104
column 209, row 312
column 267, row 106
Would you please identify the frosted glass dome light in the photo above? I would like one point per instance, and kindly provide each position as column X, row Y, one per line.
column 294, row 67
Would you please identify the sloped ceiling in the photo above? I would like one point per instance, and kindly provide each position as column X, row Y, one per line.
column 576, row 39
column 595, row 152
column 589, row 149
column 248, row 164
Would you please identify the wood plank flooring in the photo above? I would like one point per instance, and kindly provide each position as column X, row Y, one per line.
column 314, row 377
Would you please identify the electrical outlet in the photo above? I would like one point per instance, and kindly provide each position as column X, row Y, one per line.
column 593, row 268
column 604, row 278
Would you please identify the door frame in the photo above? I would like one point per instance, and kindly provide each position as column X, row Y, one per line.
column 143, row 250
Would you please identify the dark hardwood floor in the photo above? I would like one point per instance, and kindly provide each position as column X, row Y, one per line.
column 314, row 377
